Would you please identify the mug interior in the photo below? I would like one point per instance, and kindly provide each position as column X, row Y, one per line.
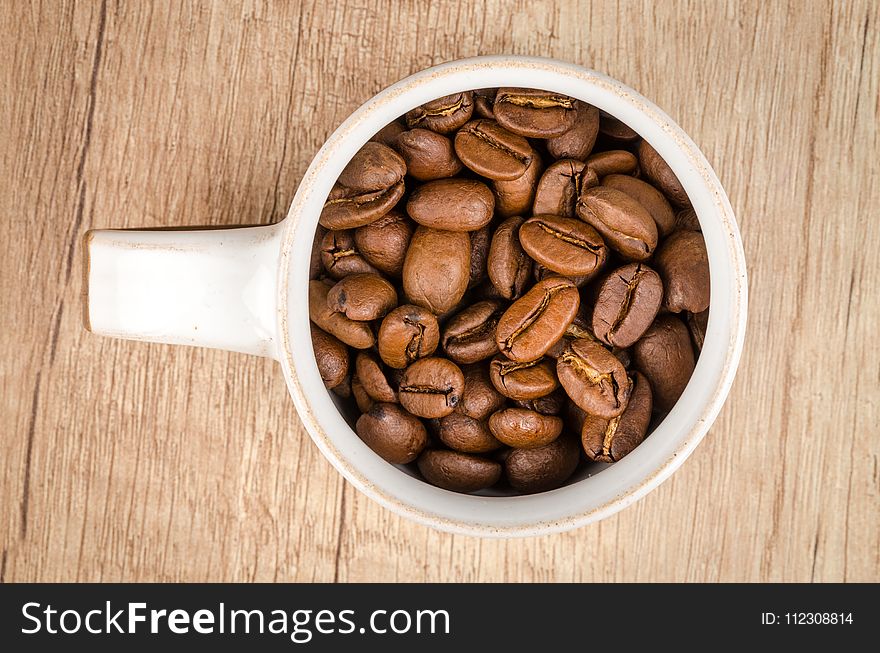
column 589, row 495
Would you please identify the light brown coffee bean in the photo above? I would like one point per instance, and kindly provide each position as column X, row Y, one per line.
column 331, row 355
column 534, row 113
column 383, row 243
column 620, row 162
column 393, row 433
column 469, row 336
column 480, row 398
column 697, row 324
column 340, row 255
column 538, row 319
column 660, row 174
column 369, row 186
column 516, row 197
column 594, row 379
column 664, row 355
column 648, row 196
column 607, row 441
column 458, row 472
column 443, row 115
column 508, row 265
column 559, row 187
column 564, row 245
column 428, row 155
column 373, row 379
column 362, row 297
column 355, row 334
column 624, row 224
column 683, row 263
column 545, row 468
column 407, row 334
column 523, row 381
column 488, row 149
column 577, row 142
column 524, row 429
column 627, row 304
column 437, row 269
column 466, row 434
column 452, row 204
column 431, row 387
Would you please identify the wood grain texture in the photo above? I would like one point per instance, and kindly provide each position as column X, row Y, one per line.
column 128, row 461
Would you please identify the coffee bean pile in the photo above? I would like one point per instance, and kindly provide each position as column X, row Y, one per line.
column 505, row 281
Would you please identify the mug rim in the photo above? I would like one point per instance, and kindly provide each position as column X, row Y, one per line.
column 520, row 515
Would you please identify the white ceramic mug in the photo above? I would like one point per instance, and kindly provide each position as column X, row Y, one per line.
column 246, row 290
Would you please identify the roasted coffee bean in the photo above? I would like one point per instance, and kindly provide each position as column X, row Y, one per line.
column 480, row 398
column 437, row 268
column 683, row 264
column 697, row 324
column 607, row 441
column 466, row 434
column 613, row 162
column 431, row 387
column 315, row 265
column 452, row 204
column 428, row 155
column 443, row 115
column 539, row 272
column 373, row 379
column 660, row 174
column 664, row 355
column 362, row 297
column 564, row 245
column 362, row 399
column 648, row 196
column 343, row 389
column 538, row 319
column 626, row 225
column 389, row 133
column 488, row 149
column 627, row 304
column 331, row 356
column 393, row 433
column 551, row 404
column 341, row 257
column 369, row 186
column 524, row 429
column 577, row 142
column 615, row 130
column 560, row 185
column 594, row 379
column 533, row 113
column 407, row 334
column 383, row 243
column 480, row 241
column 509, row 266
column 516, row 197
column 355, row 334
column 458, row 472
column 687, row 219
column 521, row 381
column 469, row 336
column 484, row 102
column 544, row 468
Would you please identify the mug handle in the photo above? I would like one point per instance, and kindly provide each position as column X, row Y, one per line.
column 213, row 287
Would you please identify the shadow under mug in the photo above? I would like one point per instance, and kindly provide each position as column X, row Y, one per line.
column 246, row 290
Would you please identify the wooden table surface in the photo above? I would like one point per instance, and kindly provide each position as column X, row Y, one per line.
column 137, row 462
